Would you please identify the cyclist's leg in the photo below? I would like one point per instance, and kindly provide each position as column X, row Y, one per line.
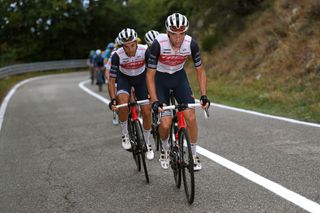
column 141, row 92
column 162, row 90
column 183, row 94
column 123, row 90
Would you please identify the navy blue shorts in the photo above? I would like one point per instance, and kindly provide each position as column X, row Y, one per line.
column 178, row 83
column 125, row 82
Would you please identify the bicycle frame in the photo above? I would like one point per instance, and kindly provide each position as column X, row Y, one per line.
column 136, row 135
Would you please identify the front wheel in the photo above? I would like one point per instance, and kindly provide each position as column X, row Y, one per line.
column 141, row 147
column 135, row 153
column 187, row 164
column 175, row 157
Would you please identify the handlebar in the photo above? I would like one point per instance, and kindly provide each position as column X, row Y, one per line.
column 133, row 103
column 185, row 106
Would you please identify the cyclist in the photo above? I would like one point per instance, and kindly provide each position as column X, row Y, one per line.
column 128, row 65
column 168, row 55
column 117, row 44
column 150, row 36
column 99, row 68
column 108, row 51
column 90, row 65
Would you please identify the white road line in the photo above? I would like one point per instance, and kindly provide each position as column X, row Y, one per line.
column 276, row 188
column 267, row 116
column 281, row 191
column 87, row 90
column 10, row 94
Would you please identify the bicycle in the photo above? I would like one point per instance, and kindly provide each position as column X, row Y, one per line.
column 139, row 147
column 181, row 157
column 156, row 124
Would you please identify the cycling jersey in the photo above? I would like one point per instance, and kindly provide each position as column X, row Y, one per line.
column 165, row 59
column 98, row 61
column 130, row 71
column 131, row 66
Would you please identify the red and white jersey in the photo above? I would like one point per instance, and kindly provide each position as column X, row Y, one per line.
column 131, row 66
column 171, row 61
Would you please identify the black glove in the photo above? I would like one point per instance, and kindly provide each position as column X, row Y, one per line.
column 204, row 99
column 155, row 105
column 112, row 102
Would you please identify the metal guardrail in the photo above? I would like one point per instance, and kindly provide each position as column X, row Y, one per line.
column 41, row 66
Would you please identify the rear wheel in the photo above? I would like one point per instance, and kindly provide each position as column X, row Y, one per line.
column 155, row 132
column 187, row 164
column 141, row 147
column 175, row 158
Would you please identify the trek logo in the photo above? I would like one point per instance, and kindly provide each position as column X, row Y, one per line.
column 133, row 65
column 173, row 60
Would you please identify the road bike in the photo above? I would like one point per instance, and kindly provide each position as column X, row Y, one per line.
column 181, row 157
column 138, row 144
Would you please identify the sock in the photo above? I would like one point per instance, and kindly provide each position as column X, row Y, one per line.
column 124, row 127
column 165, row 144
column 194, row 149
column 146, row 135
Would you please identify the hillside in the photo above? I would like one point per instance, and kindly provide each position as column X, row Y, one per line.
column 273, row 65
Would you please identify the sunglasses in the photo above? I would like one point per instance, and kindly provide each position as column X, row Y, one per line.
column 178, row 30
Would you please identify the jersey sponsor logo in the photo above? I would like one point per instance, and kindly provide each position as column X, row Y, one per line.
column 173, row 60
column 133, row 65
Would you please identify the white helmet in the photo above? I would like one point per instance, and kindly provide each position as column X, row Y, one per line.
column 177, row 23
column 150, row 36
column 127, row 35
column 98, row 52
column 117, row 41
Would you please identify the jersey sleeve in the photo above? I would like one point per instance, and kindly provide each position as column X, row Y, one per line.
column 195, row 53
column 115, row 61
column 147, row 55
column 154, row 55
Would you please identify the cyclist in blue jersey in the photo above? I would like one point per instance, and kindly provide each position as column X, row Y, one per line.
column 91, row 66
column 168, row 54
column 98, row 62
column 128, row 66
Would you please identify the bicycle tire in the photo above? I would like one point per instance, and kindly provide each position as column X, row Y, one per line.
column 135, row 153
column 175, row 158
column 155, row 132
column 187, row 165
column 141, row 147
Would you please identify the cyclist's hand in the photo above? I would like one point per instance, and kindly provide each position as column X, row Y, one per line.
column 205, row 102
column 155, row 106
column 112, row 104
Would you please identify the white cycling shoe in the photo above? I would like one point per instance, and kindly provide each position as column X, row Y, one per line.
column 126, row 144
column 149, row 153
column 164, row 159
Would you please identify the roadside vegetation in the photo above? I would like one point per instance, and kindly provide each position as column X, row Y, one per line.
column 261, row 55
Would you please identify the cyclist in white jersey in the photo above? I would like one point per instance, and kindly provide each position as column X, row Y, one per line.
column 128, row 66
column 168, row 54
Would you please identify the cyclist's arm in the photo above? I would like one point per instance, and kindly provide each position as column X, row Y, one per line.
column 201, row 73
column 151, row 71
column 113, row 75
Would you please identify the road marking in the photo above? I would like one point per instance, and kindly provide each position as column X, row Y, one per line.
column 267, row 116
column 276, row 188
column 10, row 94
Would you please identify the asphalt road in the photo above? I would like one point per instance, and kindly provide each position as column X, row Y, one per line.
column 60, row 152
